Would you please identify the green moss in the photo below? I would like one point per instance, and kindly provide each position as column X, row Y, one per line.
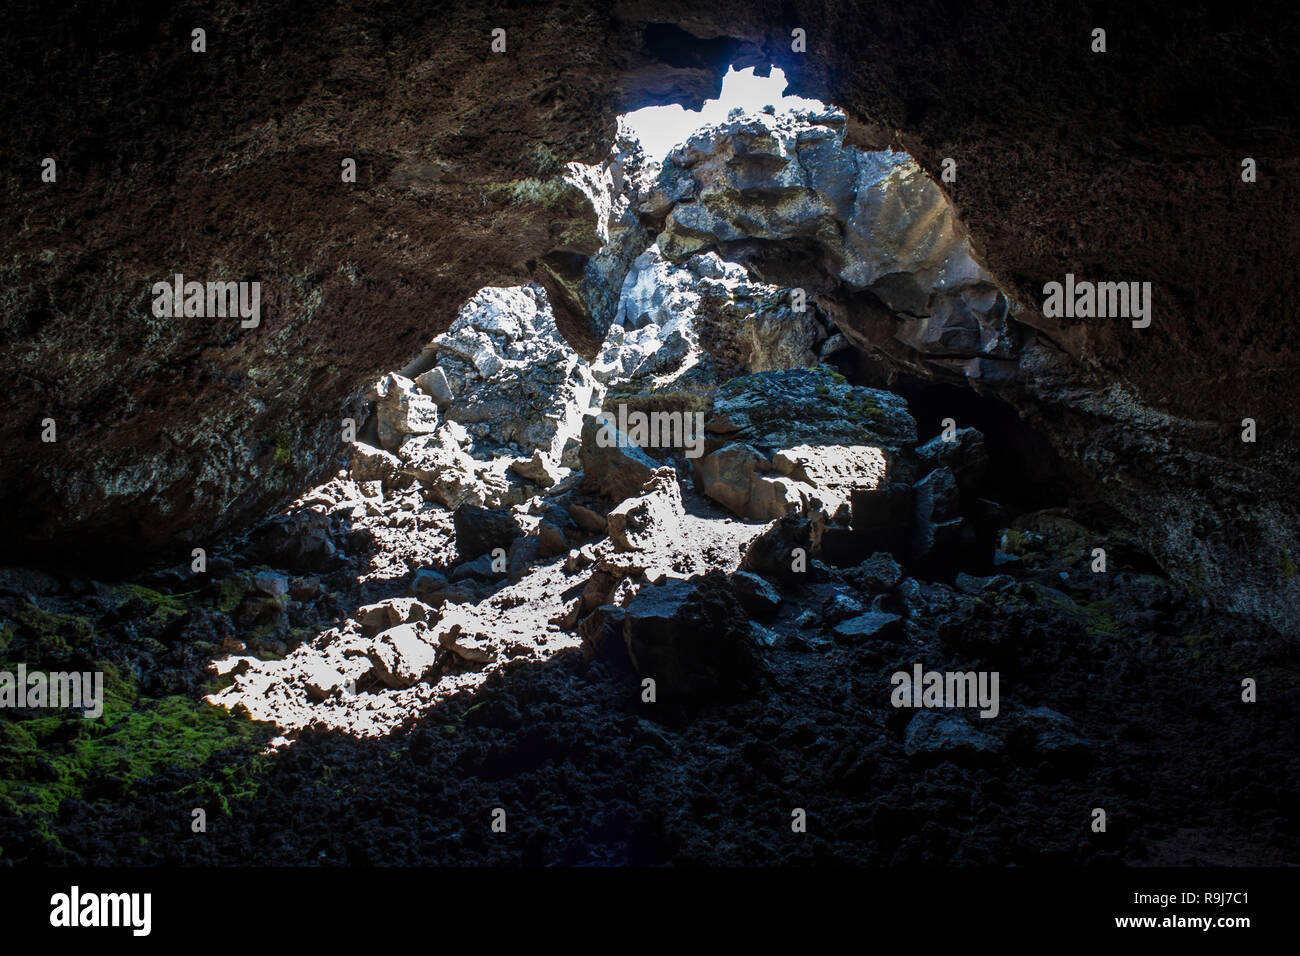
column 545, row 161
column 532, row 191
column 167, row 606
column 217, row 684
column 1013, row 541
column 230, row 594
column 55, row 632
column 1099, row 618
column 1096, row 617
column 282, row 452
column 47, row 759
column 865, row 409
column 236, row 782
column 260, row 632
column 53, row 755
column 1287, row 565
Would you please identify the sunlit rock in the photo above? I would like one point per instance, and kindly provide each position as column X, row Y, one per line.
column 401, row 411
column 516, row 385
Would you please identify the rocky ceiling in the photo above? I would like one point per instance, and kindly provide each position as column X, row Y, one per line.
column 226, row 165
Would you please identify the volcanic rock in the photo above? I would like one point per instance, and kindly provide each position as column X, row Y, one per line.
column 935, row 734
column 652, row 520
column 401, row 411
column 614, row 466
column 481, row 530
column 402, row 655
column 758, row 598
column 693, row 639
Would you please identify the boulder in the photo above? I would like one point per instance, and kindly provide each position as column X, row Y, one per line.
column 307, row 589
column 271, row 583
column 426, row 584
column 727, row 476
column 802, row 479
column 809, row 407
column 402, row 655
column 878, row 573
column 936, row 497
column 374, row 618
column 587, row 519
column 871, row 626
column 448, row 474
column 401, row 410
column 840, row 607
column 773, row 496
column 612, row 465
column 434, row 384
column 482, row 568
column 693, row 639
column 540, row 469
column 602, row 636
column 480, row 530
column 834, row 470
column 522, row 555
column 596, row 591
column 653, row 520
column 964, row 455
column 941, row 541
column 368, row 463
column 551, row 540
column 937, row 735
column 771, row 554
column 759, row 599
column 473, row 649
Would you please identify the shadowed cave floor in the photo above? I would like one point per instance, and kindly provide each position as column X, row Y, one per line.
column 1143, row 719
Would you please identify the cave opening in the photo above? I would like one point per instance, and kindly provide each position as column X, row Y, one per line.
column 641, row 543
column 748, row 258
column 1025, row 471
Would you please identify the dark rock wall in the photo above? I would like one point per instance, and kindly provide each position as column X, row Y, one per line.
column 225, row 165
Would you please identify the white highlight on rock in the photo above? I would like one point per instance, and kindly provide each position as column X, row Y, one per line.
column 660, row 128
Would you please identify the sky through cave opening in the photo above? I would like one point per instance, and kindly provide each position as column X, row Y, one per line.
column 660, row 128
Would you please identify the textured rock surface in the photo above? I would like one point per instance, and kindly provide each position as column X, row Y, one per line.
column 226, row 166
column 402, row 410
column 686, row 327
column 815, row 406
column 691, row 638
column 651, row 521
column 894, row 272
column 875, row 220
column 481, row 530
column 612, row 464
column 524, row 680
column 516, row 384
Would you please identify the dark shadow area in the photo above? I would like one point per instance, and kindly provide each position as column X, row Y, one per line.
column 1024, row 468
column 587, row 775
